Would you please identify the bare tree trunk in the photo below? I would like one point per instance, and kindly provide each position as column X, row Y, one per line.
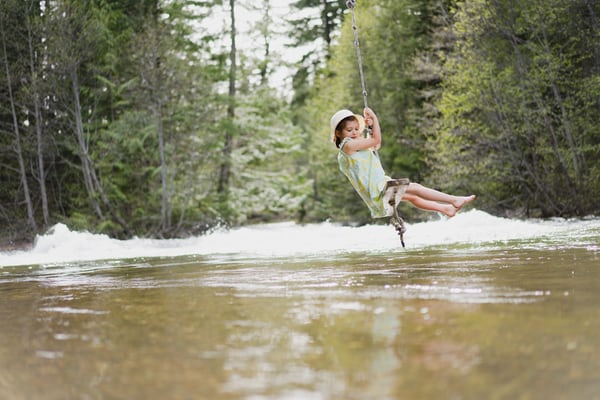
column 595, row 28
column 526, row 173
column 92, row 183
column 565, row 118
column 567, row 133
column 532, row 164
column 327, row 24
column 111, row 210
column 37, row 114
column 18, row 148
column 264, row 28
column 595, row 41
column 165, row 212
column 157, row 110
column 225, row 172
column 83, row 147
column 523, row 71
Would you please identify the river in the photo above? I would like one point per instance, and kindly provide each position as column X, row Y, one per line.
column 475, row 307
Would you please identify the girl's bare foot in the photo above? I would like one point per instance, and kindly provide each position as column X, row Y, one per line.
column 449, row 210
column 460, row 201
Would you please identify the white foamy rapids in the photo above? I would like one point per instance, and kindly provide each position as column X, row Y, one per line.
column 472, row 228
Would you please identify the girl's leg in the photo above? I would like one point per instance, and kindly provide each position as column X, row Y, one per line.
column 447, row 209
column 433, row 195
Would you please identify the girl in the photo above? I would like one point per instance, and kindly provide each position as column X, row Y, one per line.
column 361, row 165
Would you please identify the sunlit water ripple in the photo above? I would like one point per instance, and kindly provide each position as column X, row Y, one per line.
column 284, row 258
column 288, row 311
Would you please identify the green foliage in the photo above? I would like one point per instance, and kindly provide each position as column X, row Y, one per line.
column 128, row 159
column 316, row 21
column 515, row 118
column 269, row 179
column 121, row 111
column 391, row 35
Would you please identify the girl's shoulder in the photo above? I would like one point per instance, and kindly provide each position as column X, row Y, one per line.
column 342, row 145
column 344, row 142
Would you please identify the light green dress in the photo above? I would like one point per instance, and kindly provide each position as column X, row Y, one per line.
column 366, row 175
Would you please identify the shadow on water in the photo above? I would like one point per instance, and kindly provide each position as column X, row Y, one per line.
column 494, row 320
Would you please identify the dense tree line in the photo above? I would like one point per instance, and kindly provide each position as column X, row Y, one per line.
column 129, row 118
column 495, row 97
column 113, row 119
column 520, row 114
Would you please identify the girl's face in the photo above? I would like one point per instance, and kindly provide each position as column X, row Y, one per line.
column 351, row 129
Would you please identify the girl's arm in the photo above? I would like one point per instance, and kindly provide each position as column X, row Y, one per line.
column 366, row 143
column 372, row 121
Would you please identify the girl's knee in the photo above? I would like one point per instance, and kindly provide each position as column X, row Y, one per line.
column 409, row 197
column 414, row 187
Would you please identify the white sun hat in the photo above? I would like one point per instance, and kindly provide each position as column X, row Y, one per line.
column 340, row 116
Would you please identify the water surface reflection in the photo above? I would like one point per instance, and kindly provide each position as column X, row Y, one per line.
column 503, row 323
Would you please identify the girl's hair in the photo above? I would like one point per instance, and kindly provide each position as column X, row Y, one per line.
column 339, row 135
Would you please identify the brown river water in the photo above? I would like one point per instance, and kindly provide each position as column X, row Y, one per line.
column 476, row 318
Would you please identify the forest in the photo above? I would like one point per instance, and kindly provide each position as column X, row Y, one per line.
column 146, row 118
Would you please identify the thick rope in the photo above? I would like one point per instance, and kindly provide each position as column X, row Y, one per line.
column 396, row 220
column 351, row 4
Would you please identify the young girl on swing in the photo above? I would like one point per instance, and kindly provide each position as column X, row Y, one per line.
column 361, row 165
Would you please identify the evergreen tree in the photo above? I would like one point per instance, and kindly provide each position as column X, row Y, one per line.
column 314, row 21
column 392, row 37
column 519, row 106
column 14, row 73
column 154, row 141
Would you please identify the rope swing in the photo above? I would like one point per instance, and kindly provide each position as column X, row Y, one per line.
column 351, row 4
column 394, row 188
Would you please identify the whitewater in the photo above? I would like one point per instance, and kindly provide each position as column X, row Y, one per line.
column 469, row 230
